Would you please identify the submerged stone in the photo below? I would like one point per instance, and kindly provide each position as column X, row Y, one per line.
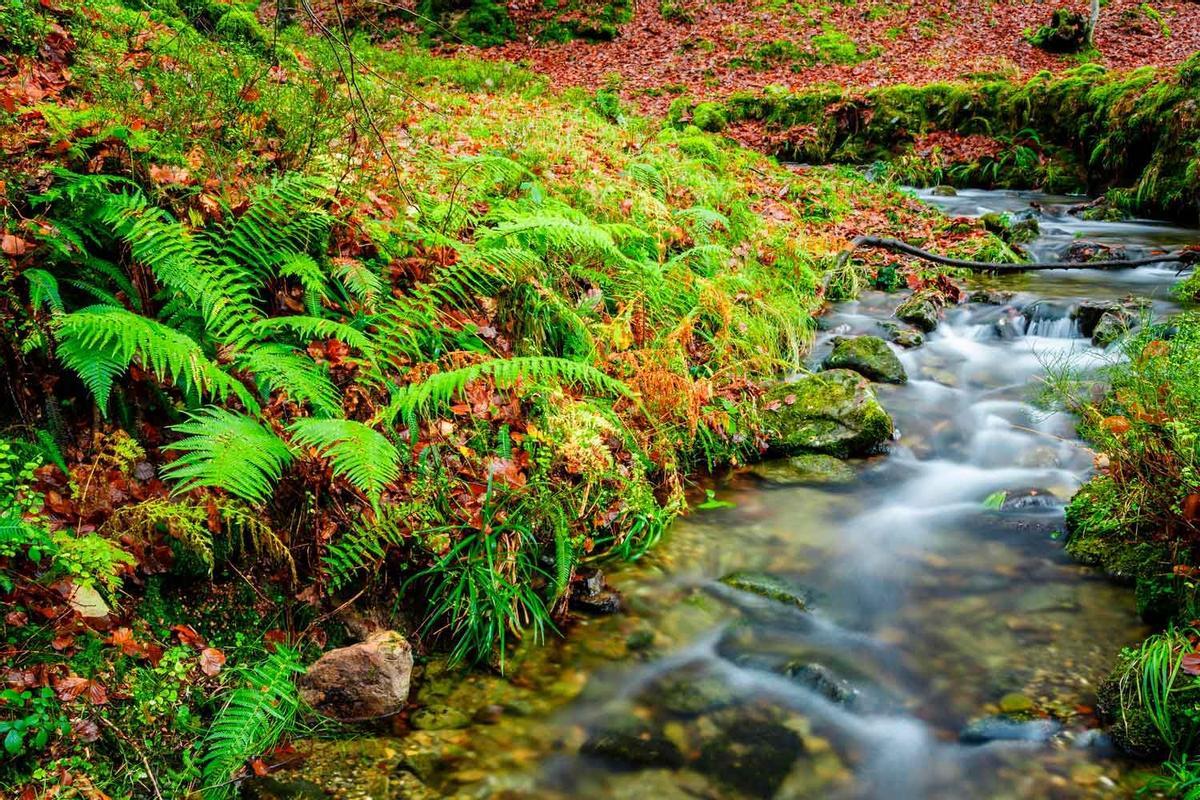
column 769, row 586
column 1004, row 728
column 268, row 788
column 633, row 743
column 690, row 693
column 821, row 680
column 438, row 718
column 869, row 356
column 806, row 469
column 833, row 412
column 752, row 755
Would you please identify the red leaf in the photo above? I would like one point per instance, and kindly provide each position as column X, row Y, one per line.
column 211, row 661
column 74, row 686
column 13, row 245
column 188, row 636
column 1191, row 663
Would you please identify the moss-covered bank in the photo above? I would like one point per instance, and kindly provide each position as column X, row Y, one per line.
column 1135, row 133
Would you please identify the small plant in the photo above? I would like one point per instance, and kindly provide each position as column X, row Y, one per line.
column 241, row 27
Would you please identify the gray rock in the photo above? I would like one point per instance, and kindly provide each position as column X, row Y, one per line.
column 1109, row 329
column 992, row 297
column 833, row 412
column 821, row 680
column 1002, row 728
column 367, row 680
column 904, row 337
column 869, row 356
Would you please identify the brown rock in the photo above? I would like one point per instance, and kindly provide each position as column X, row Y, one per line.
column 364, row 681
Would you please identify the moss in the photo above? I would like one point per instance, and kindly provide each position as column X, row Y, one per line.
column 709, row 117
column 241, row 27
column 869, row 356
column 482, row 23
column 833, row 412
column 1067, row 32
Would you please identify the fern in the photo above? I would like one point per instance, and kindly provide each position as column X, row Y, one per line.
column 250, row 721
column 358, row 278
column 429, row 396
column 227, row 451
column 314, row 328
column 284, row 218
column 282, row 369
column 99, row 342
column 43, row 290
column 355, row 451
column 365, row 545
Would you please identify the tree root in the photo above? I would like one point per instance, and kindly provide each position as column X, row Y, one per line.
column 1185, row 258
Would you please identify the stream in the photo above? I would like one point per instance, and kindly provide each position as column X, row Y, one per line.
column 949, row 650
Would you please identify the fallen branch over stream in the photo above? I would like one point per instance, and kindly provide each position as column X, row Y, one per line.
column 1185, row 258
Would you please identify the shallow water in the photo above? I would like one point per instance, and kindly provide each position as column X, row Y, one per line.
column 928, row 609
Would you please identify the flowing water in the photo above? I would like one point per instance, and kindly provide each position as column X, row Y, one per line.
column 929, row 614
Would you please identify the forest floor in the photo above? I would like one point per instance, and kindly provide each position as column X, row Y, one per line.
column 709, row 50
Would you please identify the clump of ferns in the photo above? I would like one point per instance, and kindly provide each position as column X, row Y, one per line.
column 193, row 526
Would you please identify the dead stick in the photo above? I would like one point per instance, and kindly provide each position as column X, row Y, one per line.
column 1184, row 257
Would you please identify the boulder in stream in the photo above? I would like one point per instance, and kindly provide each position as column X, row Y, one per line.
column 920, row 310
column 364, row 681
column 820, row 679
column 752, row 755
column 869, row 356
column 907, row 338
column 1006, row 728
column 833, row 412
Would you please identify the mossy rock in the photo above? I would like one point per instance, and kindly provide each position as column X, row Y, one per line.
column 632, row 743
column 898, row 334
column 805, row 470
column 1067, row 32
column 752, row 755
column 241, row 27
column 869, row 356
column 944, row 191
column 1128, row 724
column 919, row 310
column 834, row 412
column 769, row 586
column 709, row 117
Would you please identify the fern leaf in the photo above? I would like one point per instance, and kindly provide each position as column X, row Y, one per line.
column 365, row 545
column 227, row 451
column 96, row 340
column 283, row 370
column 429, row 396
column 250, row 721
column 358, row 278
column 357, row 452
column 43, row 290
column 314, row 328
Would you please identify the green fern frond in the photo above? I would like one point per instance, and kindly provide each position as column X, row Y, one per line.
column 227, row 451
column 282, row 369
column 284, row 217
column 355, row 451
column 649, row 176
column 96, row 340
column 43, row 290
column 250, row 721
column 429, row 396
column 365, row 545
column 558, row 232
column 312, row 328
column 359, row 279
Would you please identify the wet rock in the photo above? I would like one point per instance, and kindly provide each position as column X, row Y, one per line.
column 367, row 680
column 438, row 718
column 1011, row 230
column 920, row 310
column 1009, row 326
column 1066, row 32
column 944, row 191
column 821, row 680
column 833, row 412
column 1004, row 728
column 904, row 337
column 267, row 788
column 640, row 640
column 769, row 586
column 1109, row 329
column 992, row 297
column 633, row 743
column 591, row 594
column 752, row 755
column 1029, row 500
column 1016, row 703
column 807, row 469
column 1089, row 313
column 1083, row 252
column 869, row 356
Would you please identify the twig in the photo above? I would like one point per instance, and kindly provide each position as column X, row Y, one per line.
column 145, row 762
